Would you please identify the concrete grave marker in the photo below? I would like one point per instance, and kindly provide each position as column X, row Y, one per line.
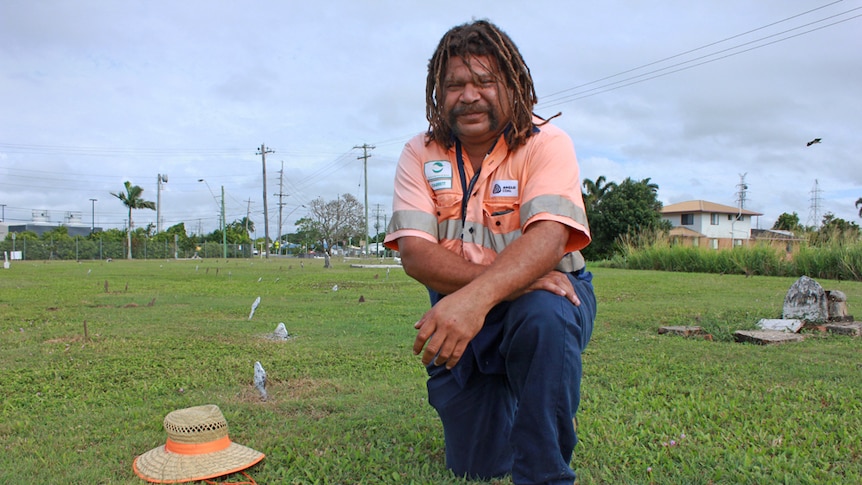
column 837, row 305
column 806, row 300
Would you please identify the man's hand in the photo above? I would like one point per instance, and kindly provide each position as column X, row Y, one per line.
column 447, row 328
column 556, row 282
column 525, row 265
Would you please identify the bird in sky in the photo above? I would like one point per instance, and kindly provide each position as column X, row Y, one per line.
column 816, row 140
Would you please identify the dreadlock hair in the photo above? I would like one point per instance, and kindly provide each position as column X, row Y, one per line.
column 480, row 38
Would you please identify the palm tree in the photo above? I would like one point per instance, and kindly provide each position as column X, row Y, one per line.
column 858, row 204
column 133, row 200
column 594, row 191
column 248, row 225
column 652, row 186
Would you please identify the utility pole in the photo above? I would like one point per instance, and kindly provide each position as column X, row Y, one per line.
column 262, row 151
column 247, row 216
column 223, row 226
column 93, row 216
column 162, row 178
column 364, row 159
column 378, row 208
column 280, row 196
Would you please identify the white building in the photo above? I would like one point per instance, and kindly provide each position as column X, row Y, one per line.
column 708, row 224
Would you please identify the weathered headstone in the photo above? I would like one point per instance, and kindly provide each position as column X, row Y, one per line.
column 806, row 300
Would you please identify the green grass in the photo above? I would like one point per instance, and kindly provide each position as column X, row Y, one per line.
column 347, row 397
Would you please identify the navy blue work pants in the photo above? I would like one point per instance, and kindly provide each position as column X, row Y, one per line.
column 507, row 407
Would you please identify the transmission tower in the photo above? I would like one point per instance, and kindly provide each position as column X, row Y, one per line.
column 814, row 210
column 741, row 192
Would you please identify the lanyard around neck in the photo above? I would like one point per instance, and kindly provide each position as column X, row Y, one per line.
column 466, row 189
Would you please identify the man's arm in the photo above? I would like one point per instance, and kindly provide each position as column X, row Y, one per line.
column 450, row 325
column 435, row 266
column 446, row 272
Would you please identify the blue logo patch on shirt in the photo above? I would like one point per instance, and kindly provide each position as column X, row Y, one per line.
column 504, row 188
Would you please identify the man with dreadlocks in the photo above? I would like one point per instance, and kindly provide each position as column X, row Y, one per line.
column 488, row 215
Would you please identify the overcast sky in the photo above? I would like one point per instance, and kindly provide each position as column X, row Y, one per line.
column 693, row 95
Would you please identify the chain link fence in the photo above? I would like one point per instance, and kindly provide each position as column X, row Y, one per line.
column 80, row 248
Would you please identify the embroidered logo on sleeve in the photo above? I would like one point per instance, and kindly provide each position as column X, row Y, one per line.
column 504, row 188
column 438, row 173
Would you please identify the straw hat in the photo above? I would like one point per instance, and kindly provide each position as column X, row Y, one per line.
column 198, row 448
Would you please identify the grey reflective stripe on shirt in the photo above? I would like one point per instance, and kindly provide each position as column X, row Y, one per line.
column 417, row 220
column 480, row 235
column 553, row 204
column 571, row 262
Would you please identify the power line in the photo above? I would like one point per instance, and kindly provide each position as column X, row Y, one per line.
column 691, row 50
column 658, row 72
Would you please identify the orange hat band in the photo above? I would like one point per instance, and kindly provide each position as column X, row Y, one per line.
column 197, row 448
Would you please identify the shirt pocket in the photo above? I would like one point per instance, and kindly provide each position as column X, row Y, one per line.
column 503, row 218
column 447, row 206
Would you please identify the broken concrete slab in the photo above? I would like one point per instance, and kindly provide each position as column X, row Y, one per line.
column 681, row 330
column 852, row 329
column 781, row 324
column 766, row 337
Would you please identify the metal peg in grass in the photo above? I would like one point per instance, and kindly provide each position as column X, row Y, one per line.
column 254, row 307
column 260, row 380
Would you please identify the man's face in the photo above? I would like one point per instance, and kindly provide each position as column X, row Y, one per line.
column 476, row 101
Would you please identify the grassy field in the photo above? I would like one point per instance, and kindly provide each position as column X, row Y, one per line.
column 347, row 397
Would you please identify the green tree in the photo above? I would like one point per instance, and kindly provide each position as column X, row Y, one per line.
column 593, row 192
column 836, row 230
column 248, row 225
column 859, row 205
column 132, row 199
column 628, row 209
column 788, row 222
column 165, row 239
column 336, row 220
column 307, row 233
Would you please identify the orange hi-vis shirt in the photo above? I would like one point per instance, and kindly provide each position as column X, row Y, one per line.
column 537, row 181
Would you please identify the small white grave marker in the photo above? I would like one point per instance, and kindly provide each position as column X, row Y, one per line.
column 781, row 324
column 254, row 307
column 280, row 332
column 260, row 380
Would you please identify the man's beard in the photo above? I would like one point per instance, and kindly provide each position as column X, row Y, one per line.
column 452, row 118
